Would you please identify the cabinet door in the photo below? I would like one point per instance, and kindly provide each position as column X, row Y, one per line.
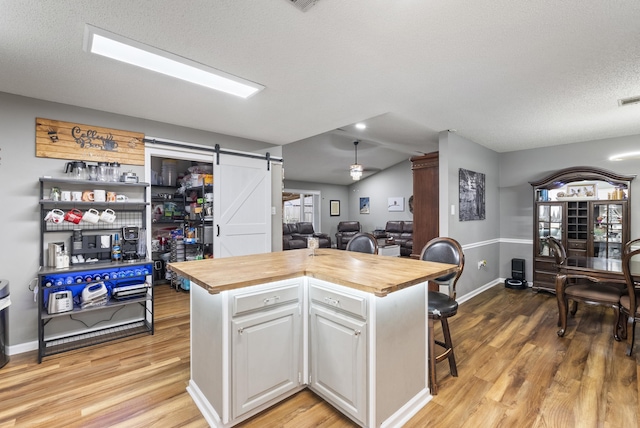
column 265, row 356
column 608, row 234
column 338, row 360
column 550, row 221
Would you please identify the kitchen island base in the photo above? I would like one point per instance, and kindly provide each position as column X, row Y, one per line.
column 365, row 355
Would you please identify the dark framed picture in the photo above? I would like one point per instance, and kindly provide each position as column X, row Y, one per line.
column 334, row 207
column 472, row 195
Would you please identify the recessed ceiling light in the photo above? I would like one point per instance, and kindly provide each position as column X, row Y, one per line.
column 361, row 126
column 102, row 42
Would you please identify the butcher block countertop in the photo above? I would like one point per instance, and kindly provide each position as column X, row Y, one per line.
column 375, row 274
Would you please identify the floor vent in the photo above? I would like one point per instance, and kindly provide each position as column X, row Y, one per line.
column 627, row 101
column 303, row 5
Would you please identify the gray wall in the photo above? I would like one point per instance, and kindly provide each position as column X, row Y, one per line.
column 19, row 174
column 480, row 238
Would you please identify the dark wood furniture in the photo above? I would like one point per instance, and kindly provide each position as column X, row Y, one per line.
column 629, row 301
column 580, row 287
column 587, row 209
column 425, row 200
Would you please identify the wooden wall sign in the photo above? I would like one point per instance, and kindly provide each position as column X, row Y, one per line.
column 73, row 141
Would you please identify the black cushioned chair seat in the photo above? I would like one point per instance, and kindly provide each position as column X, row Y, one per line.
column 441, row 305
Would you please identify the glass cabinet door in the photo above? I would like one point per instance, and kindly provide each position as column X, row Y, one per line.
column 607, row 230
column 550, row 223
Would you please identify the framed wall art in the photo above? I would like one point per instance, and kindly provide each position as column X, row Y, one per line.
column 334, row 208
column 364, row 206
column 471, row 195
column 396, row 204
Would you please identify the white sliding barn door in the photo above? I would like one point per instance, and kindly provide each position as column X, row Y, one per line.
column 242, row 206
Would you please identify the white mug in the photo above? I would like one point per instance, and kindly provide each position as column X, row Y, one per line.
column 99, row 195
column 65, row 195
column 121, row 198
column 76, row 196
column 91, row 216
column 55, row 216
column 108, row 216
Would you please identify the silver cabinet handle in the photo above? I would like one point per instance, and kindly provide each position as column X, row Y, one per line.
column 271, row 300
column 241, row 330
column 357, row 332
column 332, row 302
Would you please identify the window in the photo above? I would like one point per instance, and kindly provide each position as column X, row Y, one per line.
column 301, row 205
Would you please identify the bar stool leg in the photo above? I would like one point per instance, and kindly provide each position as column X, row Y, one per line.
column 433, row 386
column 449, row 347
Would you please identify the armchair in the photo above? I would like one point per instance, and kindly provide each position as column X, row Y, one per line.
column 288, row 241
column 305, row 230
column 402, row 234
column 346, row 231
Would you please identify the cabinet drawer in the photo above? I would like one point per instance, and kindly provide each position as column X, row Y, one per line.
column 265, row 298
column 577, row 245
column 350, row 303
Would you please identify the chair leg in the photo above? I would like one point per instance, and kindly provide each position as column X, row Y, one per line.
column 618, row 329
column 631, row 335
column 574, row 308
column 449, row 346
column 433, row 385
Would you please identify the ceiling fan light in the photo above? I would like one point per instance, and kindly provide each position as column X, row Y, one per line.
column 356, row 171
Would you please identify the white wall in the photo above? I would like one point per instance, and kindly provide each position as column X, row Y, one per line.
column 20, row 170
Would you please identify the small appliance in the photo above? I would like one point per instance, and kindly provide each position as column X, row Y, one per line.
column 129, row 246
column 130, row 291
column 94, row 294
column 60, row 301
column 517, row 280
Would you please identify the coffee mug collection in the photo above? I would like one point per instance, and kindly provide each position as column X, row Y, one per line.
column 75, row 216
column 97, row 195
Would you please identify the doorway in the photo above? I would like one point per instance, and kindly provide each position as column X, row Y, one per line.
column 301, row 205
column 175, row 232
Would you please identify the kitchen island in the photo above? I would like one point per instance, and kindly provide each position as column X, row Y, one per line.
column 352, row 327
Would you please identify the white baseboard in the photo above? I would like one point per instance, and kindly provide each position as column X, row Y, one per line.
column 22, row 348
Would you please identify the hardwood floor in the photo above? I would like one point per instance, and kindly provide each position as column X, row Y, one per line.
column 514, row 371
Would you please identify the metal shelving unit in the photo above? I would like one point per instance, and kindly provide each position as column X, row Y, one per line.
column 111, row 318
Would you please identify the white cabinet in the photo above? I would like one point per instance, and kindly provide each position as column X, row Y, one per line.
column 266, row 345
column 338, row 336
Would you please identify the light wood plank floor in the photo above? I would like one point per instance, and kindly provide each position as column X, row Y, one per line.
column 514, row 371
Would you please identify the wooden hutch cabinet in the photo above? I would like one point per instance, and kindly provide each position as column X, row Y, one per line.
column 426, row 194
column 587, row 209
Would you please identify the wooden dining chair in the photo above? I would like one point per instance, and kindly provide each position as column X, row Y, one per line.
column 629, row 246
column 363, row 243
column 629, row 302
column 583, row 288
column 442, row 306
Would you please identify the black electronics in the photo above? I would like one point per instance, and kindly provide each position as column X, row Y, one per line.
column 517, row 280
column 130, row 236
column 517, row 268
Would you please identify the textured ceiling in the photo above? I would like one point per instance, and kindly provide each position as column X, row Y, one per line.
column 506, row 74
